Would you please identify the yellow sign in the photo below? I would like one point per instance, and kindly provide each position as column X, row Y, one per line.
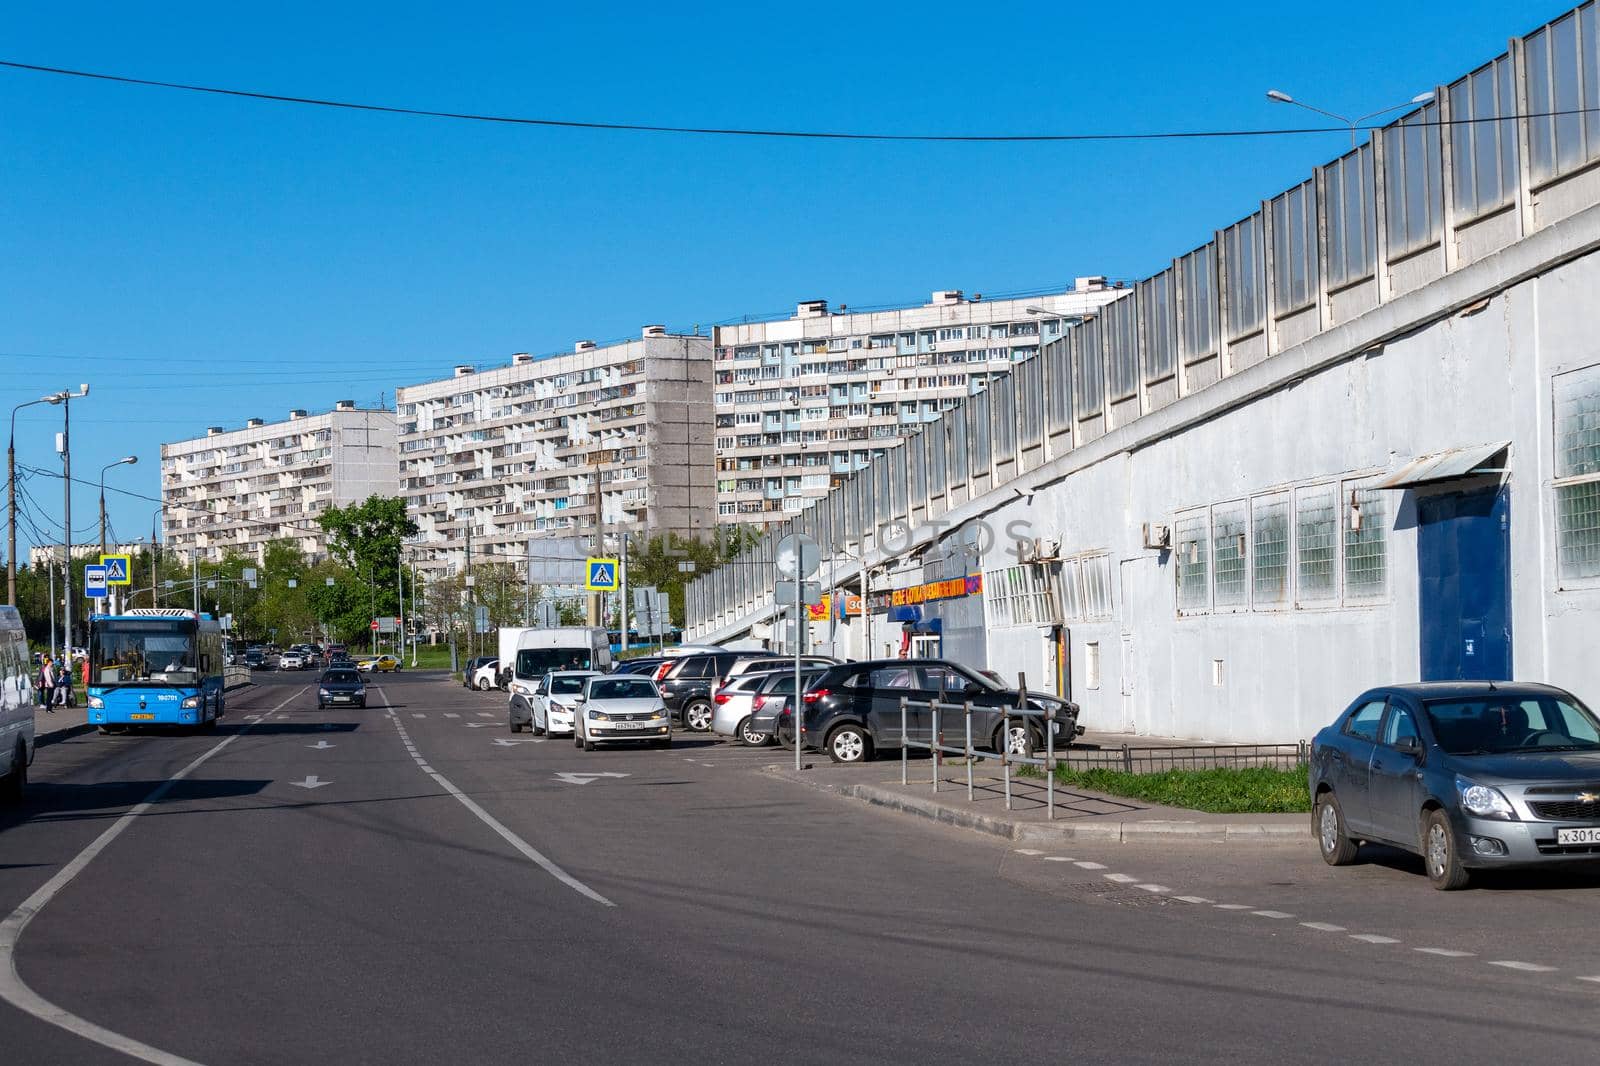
column 119, row 569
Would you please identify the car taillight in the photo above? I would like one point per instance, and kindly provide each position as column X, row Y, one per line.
column 661, row 671
column 814, row 695
column 756, row 704
column 722, row 697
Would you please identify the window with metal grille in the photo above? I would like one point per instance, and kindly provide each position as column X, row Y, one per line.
column 1366, row 543
column 1577, row 481
column 1019, row 595
column 1230, row 588
column 1096, row 586
column 1192, row 558
column 1269, row 550
column 1071, row 590
column 1316, row 544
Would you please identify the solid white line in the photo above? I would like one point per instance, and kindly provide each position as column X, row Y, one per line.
column 527, row 850
column 1326, row 927
column 1525, row 967
column 1373, row 938
column 16, row 992
column 1271, row 914
column 1446, row 953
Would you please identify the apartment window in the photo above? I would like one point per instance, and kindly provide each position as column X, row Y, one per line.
column 1269, row 549
column 1193, row 557
column 1096, row 570
column 1577, row 481
column 1230, row 588
column 1366, row 535
column 1316, row 544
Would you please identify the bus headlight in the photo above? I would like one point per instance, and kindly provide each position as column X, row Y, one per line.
column 191, row 703
column 96, row 703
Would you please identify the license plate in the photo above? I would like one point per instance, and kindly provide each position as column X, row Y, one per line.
column 142, row 717
column 1578, row 836
column 630, row 725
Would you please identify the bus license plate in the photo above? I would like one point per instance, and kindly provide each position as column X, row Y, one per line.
column 142, row 717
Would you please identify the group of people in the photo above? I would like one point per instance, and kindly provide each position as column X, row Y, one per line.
column 54, row 683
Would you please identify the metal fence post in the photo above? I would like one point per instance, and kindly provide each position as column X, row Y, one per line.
column 933, row 748
column 1050, row 761
column 970, row 758
column 1127, row 759
column 903, row 748
column 1005, row 752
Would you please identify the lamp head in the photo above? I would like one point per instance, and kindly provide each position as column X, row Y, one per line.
column 1279, row 96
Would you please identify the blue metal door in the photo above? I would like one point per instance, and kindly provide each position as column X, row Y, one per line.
column 1464, row 585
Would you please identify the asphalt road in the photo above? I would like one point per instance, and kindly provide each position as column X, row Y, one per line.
column 443, row 894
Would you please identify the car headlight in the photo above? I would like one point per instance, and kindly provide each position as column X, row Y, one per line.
column 1483, row 801
column 191, row 703
column 600, row 716
column 96, row 703
column 658, row 713
column 323, row 692
column 520, row 689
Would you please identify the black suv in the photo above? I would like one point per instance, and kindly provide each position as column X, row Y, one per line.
column 688, row 685
column 854, row 709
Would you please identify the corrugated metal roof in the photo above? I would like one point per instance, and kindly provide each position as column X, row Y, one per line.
column 1444, row 466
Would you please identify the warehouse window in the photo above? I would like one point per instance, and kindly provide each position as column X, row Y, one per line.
column 1193, row 556
column 1230, row 587
column 1269, row 549
column 1577, row 482
column 1316, row 545
column 1366, row 536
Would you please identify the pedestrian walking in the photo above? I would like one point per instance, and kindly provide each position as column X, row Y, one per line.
column 48, row 679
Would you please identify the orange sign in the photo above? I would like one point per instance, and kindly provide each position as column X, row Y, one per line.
column 822, row 611
column 971, row 585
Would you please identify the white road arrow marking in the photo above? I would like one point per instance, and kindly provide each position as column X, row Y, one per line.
column 312, row 781
column 584, row 779
column 506, row 742
column 322, row 745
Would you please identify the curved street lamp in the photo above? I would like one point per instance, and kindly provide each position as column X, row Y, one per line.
column 1280, row 97
column 126, row 460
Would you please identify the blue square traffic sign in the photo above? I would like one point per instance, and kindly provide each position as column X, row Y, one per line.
column 94, row 581
column 602, row 575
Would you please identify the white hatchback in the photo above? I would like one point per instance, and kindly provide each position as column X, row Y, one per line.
column 621, row 707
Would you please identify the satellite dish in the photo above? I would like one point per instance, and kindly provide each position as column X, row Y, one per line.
column 798, row 556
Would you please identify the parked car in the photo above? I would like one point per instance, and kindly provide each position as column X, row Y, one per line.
column 472, row 666
column 341, row 687
column 383, row 664
column 290, row 660
column 641, row 664
column 625, row 708
column 1467, row 774
column 732, row 705
column 486, row 676
column 774, row 691
column 548, row 706
column 687, row 684
column 852, row 710
column 769, row 663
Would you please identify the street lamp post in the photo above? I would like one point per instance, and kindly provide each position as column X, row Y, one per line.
column 1280, row 97
column 65, row 399
column 11, row 499
column 126, row 460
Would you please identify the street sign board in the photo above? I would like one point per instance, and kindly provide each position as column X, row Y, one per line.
column 600, row 575
column 481, row 619
column 94, row 581
column 118, row 568
column 798, row 556
column 546, row 614
column 810, row 593
column 386, row 624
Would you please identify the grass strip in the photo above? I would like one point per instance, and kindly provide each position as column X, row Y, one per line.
column 1225, row 790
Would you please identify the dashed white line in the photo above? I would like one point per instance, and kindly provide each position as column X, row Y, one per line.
column 486, row 714
column 1271, row 914
column 1029, row 851
column 1191, row 899
column 1595, row 980
column 1324, row 927
column 1445, row 953
column 415, row 715
column 1089, row 865
column 1153, row 888
column 451, row 714
column 1524, row 967
column 1373, row 938
column 1121, row 879
column 1231, row 906
column 1058, row 858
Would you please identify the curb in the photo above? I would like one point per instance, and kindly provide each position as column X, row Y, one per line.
column 56, row 736
column 1256, row 834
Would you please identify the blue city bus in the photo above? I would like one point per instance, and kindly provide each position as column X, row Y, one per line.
column 155, row 666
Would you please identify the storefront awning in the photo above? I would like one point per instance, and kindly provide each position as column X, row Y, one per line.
column 1447, row 466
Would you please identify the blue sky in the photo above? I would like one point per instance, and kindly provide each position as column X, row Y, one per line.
column 202, row 260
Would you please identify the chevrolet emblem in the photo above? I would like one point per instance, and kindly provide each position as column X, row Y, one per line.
column 1588, row 797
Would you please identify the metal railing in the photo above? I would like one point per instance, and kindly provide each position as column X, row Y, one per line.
column 936, row 746
column 1155, row 759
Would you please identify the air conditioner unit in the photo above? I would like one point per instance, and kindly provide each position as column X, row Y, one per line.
column 1026, row 550
column 1157, row 536
column 1046, row 548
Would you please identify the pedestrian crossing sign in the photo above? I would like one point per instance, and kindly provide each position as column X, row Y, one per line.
column 602, row 575
column 119, row 569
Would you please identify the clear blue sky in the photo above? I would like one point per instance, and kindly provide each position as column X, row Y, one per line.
column 201, row 260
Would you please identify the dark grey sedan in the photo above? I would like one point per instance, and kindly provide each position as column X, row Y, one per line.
column 1466, row 774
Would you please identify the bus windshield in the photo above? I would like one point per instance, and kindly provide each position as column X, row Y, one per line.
column 126, row 651
column 536, row 662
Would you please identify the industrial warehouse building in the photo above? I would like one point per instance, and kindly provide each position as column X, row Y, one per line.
column 1354, row 439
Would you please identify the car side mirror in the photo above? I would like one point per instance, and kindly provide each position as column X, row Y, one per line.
column 1409, row 745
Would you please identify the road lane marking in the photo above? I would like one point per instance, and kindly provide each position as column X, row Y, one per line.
column 1019, row 851
column 1231, row 906
column 16, row 992
column 321, row 745
column 415, row 715
column 1059, row 858
column 1191, row 899
column 1121, row 879
column 1327, row 927
column 527, row 850
column 1089, row 865
column 1447, row 953
column 584, row 779
column 1373, row 938
column 1271, row 914
column 1524, row 967
column 1596, row 980
column 486, row 714
column 451, row 714
column 312, row 781
column 1153, row 888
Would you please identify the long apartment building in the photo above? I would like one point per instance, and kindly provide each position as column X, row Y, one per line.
column 599, row 440
column 804, row 401
column 236, row 490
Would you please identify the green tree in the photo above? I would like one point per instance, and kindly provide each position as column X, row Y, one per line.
column 654, row 560
column 365, row 538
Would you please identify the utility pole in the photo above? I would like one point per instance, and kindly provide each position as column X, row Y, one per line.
column 155, row 557
column 66, row 522
column 400, row 588
column 472, row 611
column 622, row 586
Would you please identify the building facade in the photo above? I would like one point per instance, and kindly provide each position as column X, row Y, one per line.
column 597, row 441
column 40, row 554
column 803, row 402
column 236, row 490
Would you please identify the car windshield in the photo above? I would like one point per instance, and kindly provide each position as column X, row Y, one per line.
column 531, row 662
column 1494, row 725
column 622, row 688
column 341, row 677
column 567, row 685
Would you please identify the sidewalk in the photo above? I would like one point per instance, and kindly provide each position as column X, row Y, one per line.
column 66, row 723
column 1079, row 815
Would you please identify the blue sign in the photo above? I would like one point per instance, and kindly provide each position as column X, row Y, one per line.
column 118, row 568
column 602, row 575
column 94, row 581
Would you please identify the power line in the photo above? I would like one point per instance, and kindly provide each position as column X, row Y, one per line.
column 717, row 131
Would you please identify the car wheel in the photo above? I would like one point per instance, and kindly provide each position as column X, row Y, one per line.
column 1332, row 840
column 362, row 704
column 697, row 716
column 16, row 783
column 785, row 736
column 751, row 737
column 577, row 741
column 588, row 745
column 1439, row 853
column 1018, row 739
column 483, row 685
column 516, row 726
column 849, row 744
column 534, row 726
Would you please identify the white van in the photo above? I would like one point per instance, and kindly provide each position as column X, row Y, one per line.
column 16, row 706
column 560, row 648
